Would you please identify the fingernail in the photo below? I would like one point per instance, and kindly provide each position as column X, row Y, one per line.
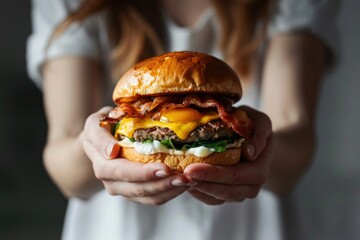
column 177, row 182
column 250, row 150
column 161, row 174
column 109, row 149
column 112, row 150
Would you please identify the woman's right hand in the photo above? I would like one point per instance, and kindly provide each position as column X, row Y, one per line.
column 151, row 183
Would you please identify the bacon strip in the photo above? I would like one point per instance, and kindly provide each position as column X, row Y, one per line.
column 244, row 127
column 139, row 108
column 157, row 106
column 105, row 121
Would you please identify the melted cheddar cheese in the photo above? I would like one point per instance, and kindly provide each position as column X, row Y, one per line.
column 181, row 120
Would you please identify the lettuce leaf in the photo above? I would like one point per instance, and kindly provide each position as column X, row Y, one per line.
column 169, row 144
column 114, row 127
column 216, row 145
column 145, row 142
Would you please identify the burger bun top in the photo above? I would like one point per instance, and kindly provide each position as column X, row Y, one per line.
column 179, row 73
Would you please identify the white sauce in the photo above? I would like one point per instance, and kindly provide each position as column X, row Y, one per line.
column 156, row 147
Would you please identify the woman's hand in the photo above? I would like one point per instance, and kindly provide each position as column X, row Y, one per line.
column 217, row 184
column 151, row 183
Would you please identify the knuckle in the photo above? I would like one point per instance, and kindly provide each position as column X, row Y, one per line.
column 231, row 196
column 162, row 188
column 214, row 201
column 140, row 192
column 156, row 201
column 237, row 178
column 224, row 195
column 254, row 192
column 234, row 195
column 98, row 175
column 221, row 197
column 119, row 174
column 217, row 202
column 261, row 179
column 99, row 172
column 110, row 190
column 268, row 120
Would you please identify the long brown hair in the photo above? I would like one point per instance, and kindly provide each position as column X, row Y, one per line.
column 136, row 29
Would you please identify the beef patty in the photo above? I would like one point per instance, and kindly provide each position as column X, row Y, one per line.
column 213, row 130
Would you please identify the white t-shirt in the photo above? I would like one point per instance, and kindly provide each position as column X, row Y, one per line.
column 113, row 217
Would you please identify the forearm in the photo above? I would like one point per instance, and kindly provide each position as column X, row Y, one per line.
column 294, row 67
column 69, row 168
column 71, row 92
column 293, row 153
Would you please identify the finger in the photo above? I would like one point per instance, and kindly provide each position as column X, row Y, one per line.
column 241, row 173
column 261, row 121
column 121, row 169
column 205, row 198
column 161, row 198
column 254, row 172
column 102, row 139
column 263, row 129
column 228, row 192
column 145, row 189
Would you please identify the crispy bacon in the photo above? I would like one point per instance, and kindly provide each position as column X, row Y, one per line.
column 244, row 127
column 157, row 106
column 140, row 108
column 105, row 121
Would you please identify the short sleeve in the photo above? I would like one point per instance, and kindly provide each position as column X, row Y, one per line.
column 79, row 39
column 315, row 16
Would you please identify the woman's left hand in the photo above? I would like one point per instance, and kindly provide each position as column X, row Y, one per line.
column 217, row 184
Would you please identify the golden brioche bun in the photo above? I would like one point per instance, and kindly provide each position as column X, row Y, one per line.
column 178, row 72
column 180, row 162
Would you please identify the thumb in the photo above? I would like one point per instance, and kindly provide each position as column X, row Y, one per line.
column 100, row 137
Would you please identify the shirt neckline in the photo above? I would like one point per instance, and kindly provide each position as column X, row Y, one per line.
column 199, row 24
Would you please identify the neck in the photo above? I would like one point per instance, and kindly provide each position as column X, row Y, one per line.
column 185, row 12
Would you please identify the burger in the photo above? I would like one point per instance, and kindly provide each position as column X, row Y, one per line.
column 176, row 109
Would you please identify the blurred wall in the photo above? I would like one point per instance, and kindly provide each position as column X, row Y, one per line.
column 326, row 204
column 30, row 206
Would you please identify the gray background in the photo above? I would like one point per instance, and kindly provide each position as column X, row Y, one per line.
column 30, row 205
column 326, row 204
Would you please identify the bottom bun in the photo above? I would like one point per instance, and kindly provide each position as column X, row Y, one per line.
column 180, row 162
